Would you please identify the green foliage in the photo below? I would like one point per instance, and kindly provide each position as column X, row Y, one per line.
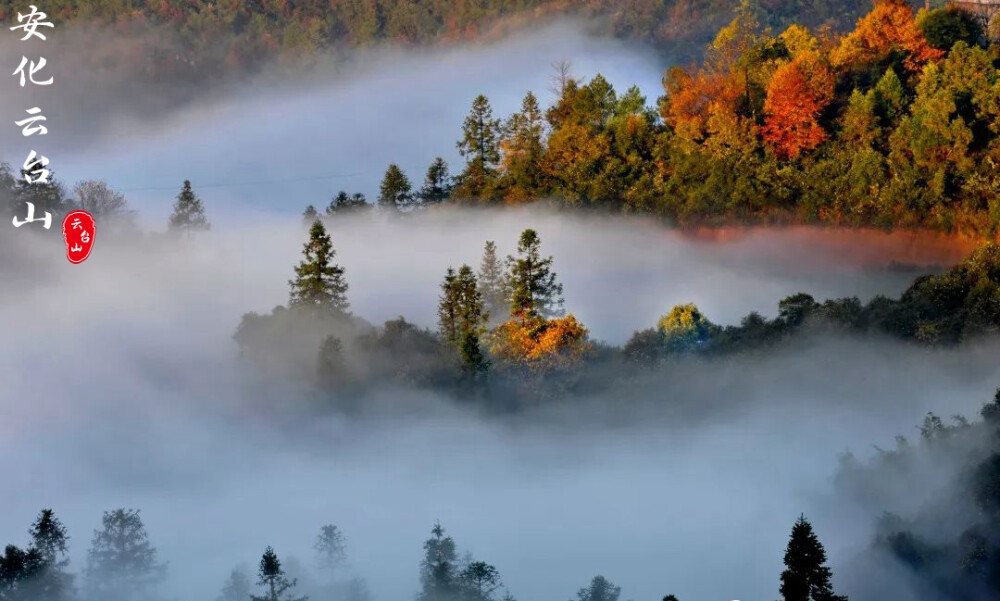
column 943, row 27
column 121, row 563
column 189, row 214
column 319, row 285
column 806, row 576
column 394, row 192
column 344, row 203
column 535, row 290
column 271, row 576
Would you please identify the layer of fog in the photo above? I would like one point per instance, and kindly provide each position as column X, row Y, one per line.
column 120, row 384
column 306, row 136
column 122, row 388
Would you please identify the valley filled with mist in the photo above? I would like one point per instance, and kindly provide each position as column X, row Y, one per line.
column 443, row 395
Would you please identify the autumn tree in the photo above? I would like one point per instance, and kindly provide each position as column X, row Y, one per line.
column 319, row 284
column 796, row 96
column 889, row 28
column 189, row 213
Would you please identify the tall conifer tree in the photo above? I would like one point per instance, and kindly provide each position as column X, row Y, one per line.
column 806, row 576
column 189, row 213
column 535, row 290
column 319, row 284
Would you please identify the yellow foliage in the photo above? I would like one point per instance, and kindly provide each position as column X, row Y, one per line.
column 541, row 343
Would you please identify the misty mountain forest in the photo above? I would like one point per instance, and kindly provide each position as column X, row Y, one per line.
column 645, row 300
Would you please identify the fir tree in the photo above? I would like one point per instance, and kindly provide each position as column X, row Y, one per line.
column 480, row 581
column 344, row 203
column 49, row 540
column 310, row 214
column 462, row 317
column 237, row 587
column 438, row 578
column 480, row 143
column 448, row 309
column 395, row 189
column 272, row 577
column 331, row 549
column 319, row 284
column 493, row 283
column 523, row 150
column 121, row 563
column 535, row 289
column 806, row 577
column 437, row 182
column 189, row 214
column 600, row 589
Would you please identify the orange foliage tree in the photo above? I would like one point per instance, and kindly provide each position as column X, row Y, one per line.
column 889, row 27
column 541, row 344
column 797, row 94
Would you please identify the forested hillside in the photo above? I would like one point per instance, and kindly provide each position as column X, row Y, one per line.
column 244, row 32
column 892, row 124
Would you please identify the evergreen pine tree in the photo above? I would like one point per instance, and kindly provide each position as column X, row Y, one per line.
column 523, row 149
column 237, row 587
column 331, row 549
column 448, row 326
column 395, row 189
column 310, row 214
column 49, row 540
column 480, row 143
column 272, row 577
column 189, row 214
column 806, row 577
column 493, row 283
column 600, row 589
column 535, row 289
column 437, row 182
column 319, row 284
column 121, row 563
column 438, row 578
column 344, row 203
column 462, row 317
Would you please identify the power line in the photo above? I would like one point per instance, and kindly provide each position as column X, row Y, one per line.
column 263, row 182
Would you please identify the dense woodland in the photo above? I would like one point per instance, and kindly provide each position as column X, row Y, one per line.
column 950, row 542
column 892, row 124
column 233, row 33
column 503, row 334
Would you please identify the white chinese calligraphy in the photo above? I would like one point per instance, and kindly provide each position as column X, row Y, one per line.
column 29, row 127
column 33, row 68
column 35, row 19
column 46, row 221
